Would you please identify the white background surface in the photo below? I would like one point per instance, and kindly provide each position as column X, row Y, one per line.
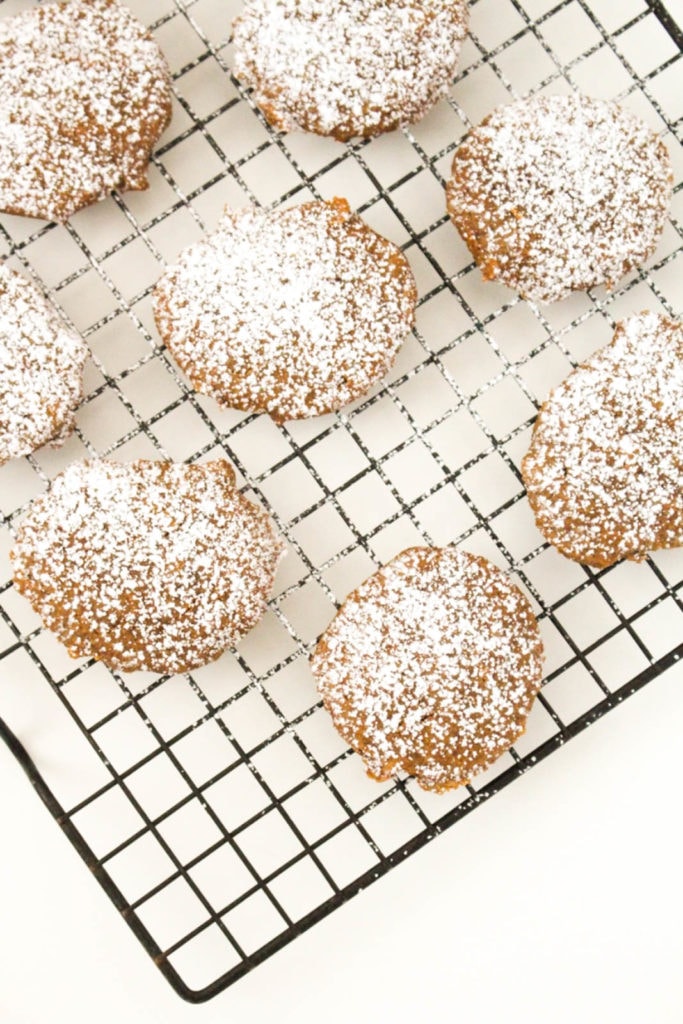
column 558, row 900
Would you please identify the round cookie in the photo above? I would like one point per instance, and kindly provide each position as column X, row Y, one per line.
column 294, row 312
column 604, row 471
column 147, row 565
column 431, row 667
column 41, row 369
column 559, row 193
column 84, row 98
column 348, row 68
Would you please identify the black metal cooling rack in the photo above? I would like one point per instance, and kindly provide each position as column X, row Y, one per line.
column 219, row 811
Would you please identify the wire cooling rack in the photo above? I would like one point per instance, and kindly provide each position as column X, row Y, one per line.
column 219, row 810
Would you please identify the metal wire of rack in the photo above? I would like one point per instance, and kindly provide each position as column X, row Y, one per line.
column 219, row 811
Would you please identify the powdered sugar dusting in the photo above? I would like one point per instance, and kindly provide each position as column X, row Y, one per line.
column 431, row 666
column 295, row 312
column 41, row 369
column 147, row 565
column 605, row 468
column 348, row 67
column 84, row 96
column 554, row 194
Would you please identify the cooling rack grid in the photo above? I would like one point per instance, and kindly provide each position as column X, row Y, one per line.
column 219, row 811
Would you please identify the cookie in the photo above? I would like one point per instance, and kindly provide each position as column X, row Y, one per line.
column 294, row 312
column 146, row 565
column 431, row 667
column 41, row 369
column 560, row 193
column 604, row 471
column 348, row 67
column 84, row 98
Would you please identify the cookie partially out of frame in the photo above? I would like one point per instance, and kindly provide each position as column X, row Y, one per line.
column 146, row 565
column 294, row 312
column 560, row 193
column 348, row 67
column 431, row 667
column 41, row 369
column 84, row 98
column 604, row 471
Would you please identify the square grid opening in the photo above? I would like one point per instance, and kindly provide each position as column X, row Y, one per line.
column 223, row 812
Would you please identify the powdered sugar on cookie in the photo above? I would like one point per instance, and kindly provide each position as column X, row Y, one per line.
column 604, row 471
column 41, row 369
column 84, row 97
column 431, row 667
column 348, row 67
column 147, row 565
column 558, row 193
column 294, row 312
